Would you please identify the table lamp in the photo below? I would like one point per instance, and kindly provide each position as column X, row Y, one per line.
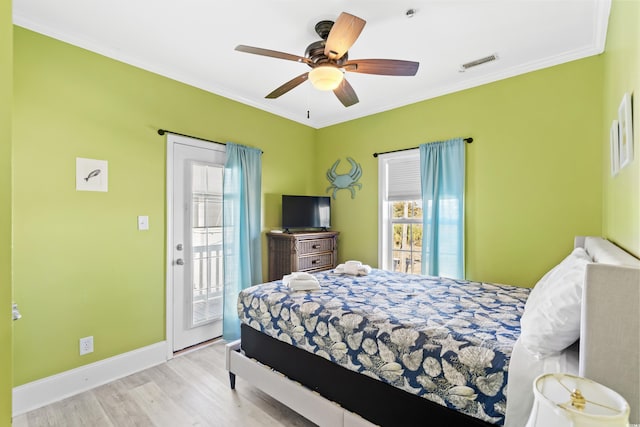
column 563, row 400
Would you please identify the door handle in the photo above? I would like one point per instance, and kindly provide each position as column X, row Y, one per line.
column 15, row 312
column 179, row 261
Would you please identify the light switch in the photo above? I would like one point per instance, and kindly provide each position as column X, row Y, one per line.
column 143, row 222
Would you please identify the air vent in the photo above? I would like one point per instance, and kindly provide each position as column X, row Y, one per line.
column 477, row 62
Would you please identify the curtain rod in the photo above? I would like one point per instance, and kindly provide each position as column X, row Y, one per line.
column 163, row 131
column 467, row 140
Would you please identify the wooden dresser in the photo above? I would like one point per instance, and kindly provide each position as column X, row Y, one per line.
column 305, row 251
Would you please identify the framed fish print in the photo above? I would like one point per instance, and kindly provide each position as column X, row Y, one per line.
column 91, row 175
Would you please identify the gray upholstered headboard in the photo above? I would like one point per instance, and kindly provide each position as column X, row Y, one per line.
column 610, row 324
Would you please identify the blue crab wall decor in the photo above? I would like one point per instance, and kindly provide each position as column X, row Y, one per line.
column 345, row 181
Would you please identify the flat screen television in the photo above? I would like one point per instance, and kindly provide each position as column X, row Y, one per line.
column 306, row 212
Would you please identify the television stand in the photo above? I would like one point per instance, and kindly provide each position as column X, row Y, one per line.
column 308, row 251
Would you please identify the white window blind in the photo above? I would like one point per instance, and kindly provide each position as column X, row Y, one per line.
column 403, row 177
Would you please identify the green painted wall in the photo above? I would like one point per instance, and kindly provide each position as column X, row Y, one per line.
column 80, row 265
column 6, row 87
column 533, row 171
column 534, row 180
column 622, row 74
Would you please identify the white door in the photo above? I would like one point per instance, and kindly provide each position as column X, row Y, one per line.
column 195, row 235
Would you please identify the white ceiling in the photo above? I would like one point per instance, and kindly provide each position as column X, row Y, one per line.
column 193, row 41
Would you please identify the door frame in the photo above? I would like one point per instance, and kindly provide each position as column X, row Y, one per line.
column 173, row 139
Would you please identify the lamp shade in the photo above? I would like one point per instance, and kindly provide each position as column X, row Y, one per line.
column 325, row 77
column 563, row 400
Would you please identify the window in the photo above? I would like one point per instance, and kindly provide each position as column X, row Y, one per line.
column 400, row 234
column 413, row 241
column 406, row 235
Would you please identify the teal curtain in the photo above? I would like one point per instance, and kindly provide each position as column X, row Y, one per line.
column 241, row 224
column 442, row 170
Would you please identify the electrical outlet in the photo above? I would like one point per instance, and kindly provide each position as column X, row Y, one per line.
column 86, row 345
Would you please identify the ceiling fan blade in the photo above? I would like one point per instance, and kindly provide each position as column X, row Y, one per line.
column 385, row 67
column 296, row 81
column 271, row 53
column 346, row 94
column 343, row 35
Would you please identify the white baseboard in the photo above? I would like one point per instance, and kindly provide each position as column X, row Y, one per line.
column 51, row 389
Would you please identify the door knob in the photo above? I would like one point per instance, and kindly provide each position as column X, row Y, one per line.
column 179, row 261
column 16, row 313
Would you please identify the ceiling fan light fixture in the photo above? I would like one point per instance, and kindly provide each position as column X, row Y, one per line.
column 326, row 77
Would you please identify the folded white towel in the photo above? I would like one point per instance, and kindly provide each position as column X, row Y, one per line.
column 304, row 285
column 301, row 281
column 353, row 269
column 297, row 275
column 301, row 275
column 364, row 270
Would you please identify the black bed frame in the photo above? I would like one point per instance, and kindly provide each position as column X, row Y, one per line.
column 378, row 402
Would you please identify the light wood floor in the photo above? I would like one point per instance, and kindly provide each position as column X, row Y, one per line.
column 192, row 389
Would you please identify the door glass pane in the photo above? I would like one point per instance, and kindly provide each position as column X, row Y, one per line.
column 206, row 243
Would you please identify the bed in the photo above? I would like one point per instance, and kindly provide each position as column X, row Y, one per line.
column 409, row 350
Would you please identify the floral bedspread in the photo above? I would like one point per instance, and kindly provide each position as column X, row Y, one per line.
column 446, row 340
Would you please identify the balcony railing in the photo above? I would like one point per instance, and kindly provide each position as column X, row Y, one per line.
column 208, row 283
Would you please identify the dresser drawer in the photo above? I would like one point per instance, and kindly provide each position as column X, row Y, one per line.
column 315, row 246
column 316, row 262
column 309, row 251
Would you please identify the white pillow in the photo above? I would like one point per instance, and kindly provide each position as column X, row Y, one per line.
column 551, row 319
column 538, row 291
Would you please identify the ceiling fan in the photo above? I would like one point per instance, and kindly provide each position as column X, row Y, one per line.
column 328, row 58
